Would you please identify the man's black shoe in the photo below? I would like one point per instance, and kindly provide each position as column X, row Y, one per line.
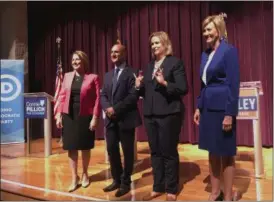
column 111, row 187
column 122, row 191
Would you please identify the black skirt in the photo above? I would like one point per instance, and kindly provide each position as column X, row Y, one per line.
column 76, row 132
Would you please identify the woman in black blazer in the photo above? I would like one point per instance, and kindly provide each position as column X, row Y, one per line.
column 162, row 87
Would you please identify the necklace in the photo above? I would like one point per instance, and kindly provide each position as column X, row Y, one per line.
column 77, row 78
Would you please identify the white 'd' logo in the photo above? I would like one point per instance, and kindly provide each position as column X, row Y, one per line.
column 7, row 87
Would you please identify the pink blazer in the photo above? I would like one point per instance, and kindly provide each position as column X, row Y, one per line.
column 89, row 95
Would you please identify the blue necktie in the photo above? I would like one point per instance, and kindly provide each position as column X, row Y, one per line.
column 115, row 79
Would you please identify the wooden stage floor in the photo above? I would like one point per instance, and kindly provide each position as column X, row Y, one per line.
column 48, row 178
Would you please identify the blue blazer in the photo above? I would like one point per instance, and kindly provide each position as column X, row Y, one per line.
column 223, row 79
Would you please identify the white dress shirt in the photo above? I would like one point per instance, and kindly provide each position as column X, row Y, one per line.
column 121, row 67
column 157, row 66
column 206, row 66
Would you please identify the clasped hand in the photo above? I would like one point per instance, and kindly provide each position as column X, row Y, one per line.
column 110, row 112
column 138, row 80
column 160, row 77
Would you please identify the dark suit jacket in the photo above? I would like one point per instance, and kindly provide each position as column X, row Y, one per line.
column 223, row 80
column 124, row 100
column 161, row 100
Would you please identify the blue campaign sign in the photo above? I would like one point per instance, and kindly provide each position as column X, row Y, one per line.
column 35, row 107
column 12, row 101
column 248, row 103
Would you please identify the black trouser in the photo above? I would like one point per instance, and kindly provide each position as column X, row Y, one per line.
column 113, row 136
column 163, row 136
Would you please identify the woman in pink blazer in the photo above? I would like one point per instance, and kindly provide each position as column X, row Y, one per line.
column 78, row 112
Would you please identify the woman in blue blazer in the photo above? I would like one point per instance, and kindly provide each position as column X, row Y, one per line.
column 218, row 105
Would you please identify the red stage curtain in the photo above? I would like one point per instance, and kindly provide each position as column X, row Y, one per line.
column 91, row 27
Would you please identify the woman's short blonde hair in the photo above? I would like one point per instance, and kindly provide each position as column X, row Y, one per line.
column 219, row 23
column 83, row 57
column 164, row 38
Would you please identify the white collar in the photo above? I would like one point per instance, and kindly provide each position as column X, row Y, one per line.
column 122, row 66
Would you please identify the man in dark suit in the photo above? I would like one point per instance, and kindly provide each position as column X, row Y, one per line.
column 119, row 102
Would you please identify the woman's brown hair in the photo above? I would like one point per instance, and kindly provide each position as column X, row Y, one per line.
column 83, row 57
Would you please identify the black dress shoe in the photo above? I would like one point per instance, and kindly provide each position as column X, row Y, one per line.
column 111, row 187
column 122, row 191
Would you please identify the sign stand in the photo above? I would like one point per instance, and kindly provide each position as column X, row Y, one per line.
column 47, row 122
column 251, row 91
column 259, row 164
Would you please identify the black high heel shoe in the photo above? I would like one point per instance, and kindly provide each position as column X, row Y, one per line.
column 220, row 197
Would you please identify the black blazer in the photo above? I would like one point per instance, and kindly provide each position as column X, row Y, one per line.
column 124, row 100
column 161, row 100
